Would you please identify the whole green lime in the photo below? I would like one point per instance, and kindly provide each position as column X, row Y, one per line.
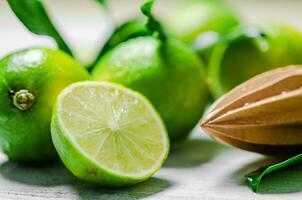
column 198, row 16
column 235, row 62
column 31, row 81
column 169, row 74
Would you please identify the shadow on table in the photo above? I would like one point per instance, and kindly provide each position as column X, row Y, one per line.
column 239, row 175
column 142, row 190
column 286, row 180
column 56, row 175
column 193, row 152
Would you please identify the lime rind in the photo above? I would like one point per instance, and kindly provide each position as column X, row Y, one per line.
column 87, row 167
column 215, row 86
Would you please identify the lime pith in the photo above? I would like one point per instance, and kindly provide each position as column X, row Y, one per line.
column 107, row 134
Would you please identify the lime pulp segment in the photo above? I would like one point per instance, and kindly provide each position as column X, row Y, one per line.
column 116, row 128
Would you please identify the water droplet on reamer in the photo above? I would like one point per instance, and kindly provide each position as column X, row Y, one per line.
column 246, row 104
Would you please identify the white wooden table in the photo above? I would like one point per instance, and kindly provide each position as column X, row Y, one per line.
column 199, row 169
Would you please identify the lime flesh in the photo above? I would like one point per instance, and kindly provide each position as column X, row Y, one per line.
column 107, row 134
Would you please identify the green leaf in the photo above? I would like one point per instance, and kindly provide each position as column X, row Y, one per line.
column 152, row 24
column 208, row 40
column 102, row 2
column 255, row 178
column 131, row 29
column 34, row 16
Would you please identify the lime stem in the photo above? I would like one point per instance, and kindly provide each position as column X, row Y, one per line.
column 153, row 24
column 23, row 99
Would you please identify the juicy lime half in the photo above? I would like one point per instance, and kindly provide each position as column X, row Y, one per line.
column 108, row 134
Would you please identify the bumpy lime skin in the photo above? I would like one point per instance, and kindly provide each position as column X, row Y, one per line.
column 85, row 168
column 199, row 16
column 169, row 74
column 232, row 64
column 25, row 135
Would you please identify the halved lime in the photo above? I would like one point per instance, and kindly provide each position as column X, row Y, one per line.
column 108, row 134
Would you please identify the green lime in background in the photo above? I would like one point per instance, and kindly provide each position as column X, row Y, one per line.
column 107, row 134
column 186, row 23
column 234, row 62
column 195, row 17
column 169, row 74
column 30, row 82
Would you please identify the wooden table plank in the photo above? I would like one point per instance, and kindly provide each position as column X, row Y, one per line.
column 198, row 169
